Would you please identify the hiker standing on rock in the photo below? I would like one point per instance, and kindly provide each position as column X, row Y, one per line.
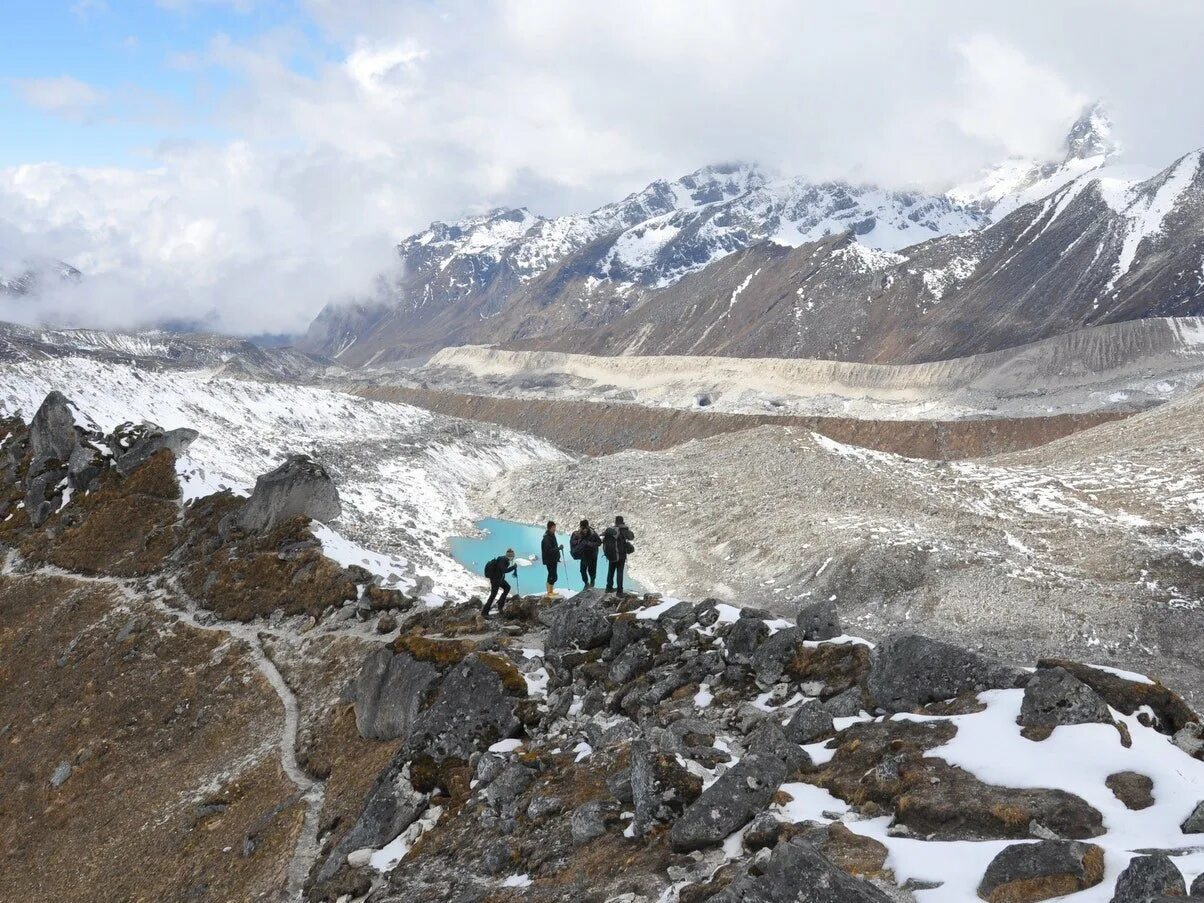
column 616, row 546
column 583, row 545
column 496, row 570
column 550, row 551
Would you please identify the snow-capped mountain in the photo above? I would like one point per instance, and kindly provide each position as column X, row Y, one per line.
column 1020, row 180
column 24, row 277
column 459, row 277
column 1101, row 249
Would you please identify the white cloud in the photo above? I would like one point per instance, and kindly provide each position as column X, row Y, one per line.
column 428, row 111
column 62, row 95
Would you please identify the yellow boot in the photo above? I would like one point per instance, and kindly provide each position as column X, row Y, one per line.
column 551, row 591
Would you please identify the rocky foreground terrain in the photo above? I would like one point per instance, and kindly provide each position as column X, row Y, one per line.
column 198, row 704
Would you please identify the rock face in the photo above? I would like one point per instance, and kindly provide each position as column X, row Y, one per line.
column 810, row 723
column 728, row 804
column 298, row 487
column 1149, row 876
column 52, row 432
column 796, row 872
column 909, row 671
column 819, row 621
column 660, row 787
column 148, row 440
column 388, row 693
column 1029, row 872
column 1054, row 697
column 579, row 623
column 470, row 711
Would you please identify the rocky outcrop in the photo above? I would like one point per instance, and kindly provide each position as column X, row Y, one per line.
column 389, row 691
column 819, row 621
column 300, row 487
column 728, row 804
column 1030, row 872
column 1150, row 876
column 910, row 671
column 799, row 873
column 53, row 435
column 1053, row 697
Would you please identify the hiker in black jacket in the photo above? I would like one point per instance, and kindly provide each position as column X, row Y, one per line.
column 616, row 546
column 550, row 551
column 583, row 545
column 496, row 570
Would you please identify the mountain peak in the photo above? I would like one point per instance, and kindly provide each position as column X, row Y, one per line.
column 1091, row 134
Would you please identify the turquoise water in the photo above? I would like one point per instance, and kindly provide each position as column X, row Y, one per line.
column 499, row 535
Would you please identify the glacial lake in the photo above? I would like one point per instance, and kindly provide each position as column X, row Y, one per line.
column 498, row 535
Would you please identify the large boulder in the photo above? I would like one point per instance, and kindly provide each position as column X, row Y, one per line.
column 742, row 792
column 796, row 872
column 147, row 440
column 819, row 620
column 53, row 435
column 1029, row 872
column 810, row 723
column 471, row 710
column 1170, row 712
column 389, row 692
column 771, row 658
column 908, row 671
column 1149, row 876
column 1054, row 697
column 743, row 638
column 579, row 623
column 661, row 788
column 1194, row 823
column 298, row 487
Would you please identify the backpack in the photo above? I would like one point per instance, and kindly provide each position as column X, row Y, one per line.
column 575, row 544
column 493, row 568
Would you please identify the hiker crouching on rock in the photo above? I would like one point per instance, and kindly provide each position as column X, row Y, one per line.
column 550, row 551
column 583, row 545
column 496, row 570
column 616, row 546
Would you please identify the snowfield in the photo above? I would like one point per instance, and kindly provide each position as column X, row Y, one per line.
column 402, row 472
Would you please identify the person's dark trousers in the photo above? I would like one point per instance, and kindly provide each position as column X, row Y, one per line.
column 552, row 574
column 494, row 586
column 589, row 569
column 614, row 575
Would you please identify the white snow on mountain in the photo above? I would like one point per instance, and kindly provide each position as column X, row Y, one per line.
column 403, row 473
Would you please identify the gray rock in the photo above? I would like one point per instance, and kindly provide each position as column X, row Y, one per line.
column 1194, row 823
column 471, row 710
column 1082, row 864
column 729, row 804
column 619, row 786
column 489, row 766
column 630, row 663
column 908, row 671
column 298, row 487
column 578, row 623
column 388, row 693
column 589, row 821
column 1197, row 886
column 1054, row 696
column 1149, row 876
column 743, row 639
column 1190, row 739
column 845, row 705
column 796, row 872
column 810, row 723
column 391, row 806
column 506, row 787
column 706, row 612
column 542, row 806
column 762, row 832
column 60, row 774
column 819, row 621
column 152, row 442
column 679, row 616
column 661, row 789
column 52, row 432
column 85, row 466
column 772, row 656
column 769, row 738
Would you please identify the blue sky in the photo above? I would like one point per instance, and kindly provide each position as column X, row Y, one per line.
column 144, row 59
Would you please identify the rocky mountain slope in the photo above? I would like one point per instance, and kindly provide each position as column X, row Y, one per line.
column 1120, row 366
column 203, row 706
column 1089, row 545
column 509, row 273
column 727, row 261
column 1098, row 250
column 24, row 278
